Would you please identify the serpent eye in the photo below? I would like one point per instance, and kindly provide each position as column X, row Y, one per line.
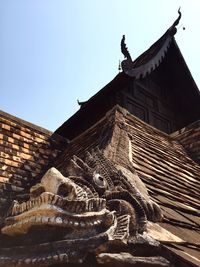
column 99, row 180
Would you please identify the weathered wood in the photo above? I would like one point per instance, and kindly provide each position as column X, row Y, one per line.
column 126, row 259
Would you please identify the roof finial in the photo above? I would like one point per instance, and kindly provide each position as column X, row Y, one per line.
column 124, row 49
column 176, row 22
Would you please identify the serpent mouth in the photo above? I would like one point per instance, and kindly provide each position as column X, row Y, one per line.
column 51, row 229
column 61, row 222
column 52, row 210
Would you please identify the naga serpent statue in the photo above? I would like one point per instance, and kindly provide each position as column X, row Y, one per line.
column 68, row 218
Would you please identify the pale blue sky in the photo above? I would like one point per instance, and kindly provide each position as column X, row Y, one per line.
column 53, row 52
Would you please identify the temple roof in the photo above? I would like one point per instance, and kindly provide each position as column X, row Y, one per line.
column 162, row 163
column 165, row 56
column 167, row 164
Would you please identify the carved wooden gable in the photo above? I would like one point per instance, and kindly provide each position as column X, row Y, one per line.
column 162, row 92
column 154, row 101
column 157, row 87
column 151, row 103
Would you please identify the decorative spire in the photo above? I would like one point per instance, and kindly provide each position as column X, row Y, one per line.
column 176, row 22
column 173, row 29
column 124, row 49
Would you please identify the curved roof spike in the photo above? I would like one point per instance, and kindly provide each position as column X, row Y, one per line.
column 176, row 22
column 80, row 103
column 124, row 49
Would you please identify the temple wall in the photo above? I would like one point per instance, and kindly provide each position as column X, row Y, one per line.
column 25, row 149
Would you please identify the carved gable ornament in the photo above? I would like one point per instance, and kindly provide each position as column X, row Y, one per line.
column 141, row 67
column 92, row 211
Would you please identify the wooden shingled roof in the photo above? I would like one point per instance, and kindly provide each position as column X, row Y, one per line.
column 189, row 137
column 162, row 163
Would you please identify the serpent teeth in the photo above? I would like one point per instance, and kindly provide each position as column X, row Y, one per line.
column 66, row 221
column 28, row 205
column 38, row 219
column 38, row 201
column 97, row 222
column 90, row 205
column 45, row 219
column 88, row 223
column 20, row 208
column 45, row 198
column 76, row 223
column 52, row 219
column 49, row 257
column 49, row 197
column 28, row 261
column 54, row 200
column 13, row 211
column 55, row 257
column 32, row 202
column 24, row 206
column 82, row 224
column 63, row 257
column 34, row 260
column 58, row 220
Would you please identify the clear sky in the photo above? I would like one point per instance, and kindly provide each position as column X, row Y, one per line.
column 53, row 52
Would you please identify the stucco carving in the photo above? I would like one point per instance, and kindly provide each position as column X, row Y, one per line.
column 66, row 218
